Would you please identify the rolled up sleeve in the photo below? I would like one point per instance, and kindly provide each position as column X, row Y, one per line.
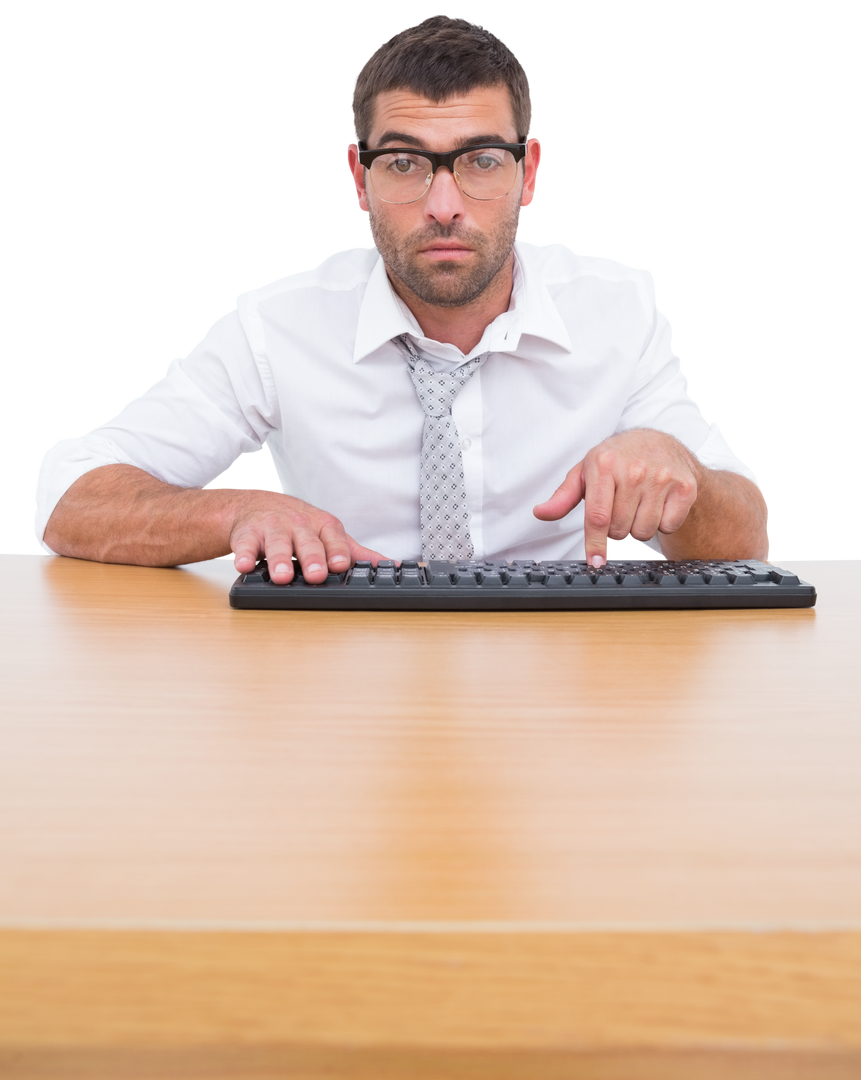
column 177, row 431
column 660, row 400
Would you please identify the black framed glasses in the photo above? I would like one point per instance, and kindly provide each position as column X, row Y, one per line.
column 403, row 175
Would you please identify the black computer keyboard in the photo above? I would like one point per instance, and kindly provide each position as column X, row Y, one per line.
column 483, row 585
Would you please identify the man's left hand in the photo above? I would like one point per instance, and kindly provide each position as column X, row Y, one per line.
column 639, row 482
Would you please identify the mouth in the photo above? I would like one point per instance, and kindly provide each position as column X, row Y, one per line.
column 446, row 251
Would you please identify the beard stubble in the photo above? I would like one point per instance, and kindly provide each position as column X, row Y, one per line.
column 446, row 284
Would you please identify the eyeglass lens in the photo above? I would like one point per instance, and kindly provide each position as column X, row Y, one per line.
column 482, row 174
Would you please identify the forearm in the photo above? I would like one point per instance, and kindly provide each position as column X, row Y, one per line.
column 727, row 521
column 121, row 514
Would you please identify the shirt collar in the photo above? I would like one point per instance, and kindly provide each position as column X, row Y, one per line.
column 380, row 315
column 541, row 316
column 532, row 312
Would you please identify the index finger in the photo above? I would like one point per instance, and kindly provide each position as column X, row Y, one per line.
column 342, row 550
column 600, row 493
column 360, row 553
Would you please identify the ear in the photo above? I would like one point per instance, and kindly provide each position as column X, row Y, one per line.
column 358, row 172
column 530, row 168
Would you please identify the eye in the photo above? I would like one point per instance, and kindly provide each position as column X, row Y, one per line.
column 401, row 164
column 483, row 160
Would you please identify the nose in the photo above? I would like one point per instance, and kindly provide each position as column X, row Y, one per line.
column 444, row 201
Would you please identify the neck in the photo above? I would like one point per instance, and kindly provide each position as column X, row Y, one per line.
column 464, row 325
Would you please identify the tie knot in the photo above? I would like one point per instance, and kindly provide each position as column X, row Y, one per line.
column 436, row 390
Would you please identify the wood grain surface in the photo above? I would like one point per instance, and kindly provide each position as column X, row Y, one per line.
column 369, row 844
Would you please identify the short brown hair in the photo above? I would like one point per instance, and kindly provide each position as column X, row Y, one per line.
column 438, row 58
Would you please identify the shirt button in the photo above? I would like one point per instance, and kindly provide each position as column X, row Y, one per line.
column 466, row 444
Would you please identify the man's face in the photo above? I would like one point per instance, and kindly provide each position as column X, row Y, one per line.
column 446, row 248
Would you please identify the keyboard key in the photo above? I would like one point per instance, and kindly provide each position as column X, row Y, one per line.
column 518, row 580
column 717, row 580
column 439, row 579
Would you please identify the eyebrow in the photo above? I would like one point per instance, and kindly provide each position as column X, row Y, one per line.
column 398, row 138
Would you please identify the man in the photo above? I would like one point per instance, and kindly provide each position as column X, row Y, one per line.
column 425, row 393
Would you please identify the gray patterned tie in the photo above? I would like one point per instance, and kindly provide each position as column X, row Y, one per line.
column 442, row 492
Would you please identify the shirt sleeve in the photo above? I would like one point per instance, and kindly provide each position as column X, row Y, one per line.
column 186, row 430
column 662, row 401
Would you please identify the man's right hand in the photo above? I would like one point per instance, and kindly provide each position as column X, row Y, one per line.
column 121, row 514
column 295, row 528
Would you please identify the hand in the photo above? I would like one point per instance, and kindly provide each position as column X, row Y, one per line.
column 640, row 482
column 317, row 539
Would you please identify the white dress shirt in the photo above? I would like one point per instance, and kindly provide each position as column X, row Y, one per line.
column 309, row 366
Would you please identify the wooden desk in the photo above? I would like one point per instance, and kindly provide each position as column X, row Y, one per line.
column 593, row 845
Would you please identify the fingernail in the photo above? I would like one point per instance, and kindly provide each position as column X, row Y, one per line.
column 281, row 568
column 313, row 568
column 338, row 560
column 597, row 561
